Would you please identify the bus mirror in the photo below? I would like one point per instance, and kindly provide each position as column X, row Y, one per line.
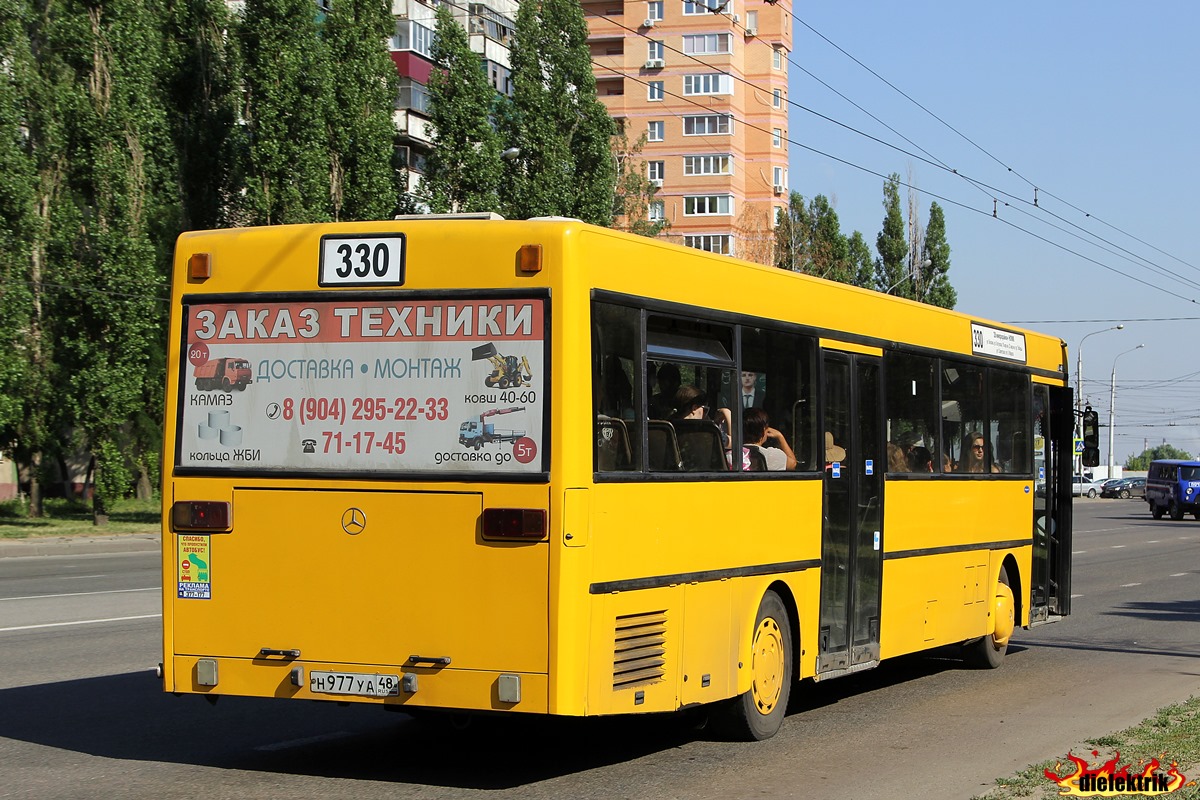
column 1091, row 438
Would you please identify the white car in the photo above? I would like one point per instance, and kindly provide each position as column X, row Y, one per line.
column 1082, row 486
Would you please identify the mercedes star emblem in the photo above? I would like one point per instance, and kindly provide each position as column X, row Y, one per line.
column 354, row 521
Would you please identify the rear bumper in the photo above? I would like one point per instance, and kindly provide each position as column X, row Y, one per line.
column 443, row 688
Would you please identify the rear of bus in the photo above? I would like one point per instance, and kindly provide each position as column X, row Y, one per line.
column 328, row 532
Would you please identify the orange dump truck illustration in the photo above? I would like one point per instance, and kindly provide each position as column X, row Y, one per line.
column 227, row 374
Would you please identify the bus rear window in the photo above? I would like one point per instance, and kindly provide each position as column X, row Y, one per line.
column 366, row 384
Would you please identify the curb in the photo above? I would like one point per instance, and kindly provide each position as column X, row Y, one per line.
column 79, row 545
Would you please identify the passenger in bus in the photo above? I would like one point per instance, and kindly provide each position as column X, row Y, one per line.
column 974, row 454
column 760, row 437
column 688, row 403
column 920, row 459
column 663, row 403
column 618, row 391
column 897, row 459
column 833, row 452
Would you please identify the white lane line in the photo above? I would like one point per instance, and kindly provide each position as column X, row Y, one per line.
column 79, row 594
column 1076, row 595
column 1152, row 541
column 79, row 577
column 1129, row 585
column 1117, row 546
column 78, row 622
column 1078, row 552
column 1179, row 574
column 288, row 745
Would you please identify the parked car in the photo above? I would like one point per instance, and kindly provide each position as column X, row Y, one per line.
column 1125, row 488
column 1082, row 486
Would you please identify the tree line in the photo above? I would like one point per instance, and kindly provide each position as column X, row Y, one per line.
column 125, row 122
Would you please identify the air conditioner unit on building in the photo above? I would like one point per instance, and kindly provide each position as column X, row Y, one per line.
column 751, row 30
column 657, row 182
column 654, row 63
column 778, row 189
column 648, row 23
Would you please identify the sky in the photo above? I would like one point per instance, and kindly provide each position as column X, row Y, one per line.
column 1094, row 103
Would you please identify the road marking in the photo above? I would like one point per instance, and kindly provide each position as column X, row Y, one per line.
column 1078, row 552
column 1076, row 595
column 1179, row 574
column 1117, row 546
column 1129, row 585
column 1152, row 541
column 79, row 594
column 79, row 577
column 288, row 745
column 79, row 622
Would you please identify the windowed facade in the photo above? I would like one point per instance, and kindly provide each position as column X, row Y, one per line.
column 413, row 96
column 655, row 171
column 713, row 83
column 776, row 137
column 719, row 243
column 655, row 130
column 654, row 50
column 777, row 58
column 413, row 36
column 657, row 211
column 654, row 90
column 654, row 10
column 707, row 205
column 707, row 43
column 694, row 9
column 708, row 165
column 707, row 125
column 777, row 98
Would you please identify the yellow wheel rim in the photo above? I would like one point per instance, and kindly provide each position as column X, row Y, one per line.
column 768, row 667
column 1004, row 609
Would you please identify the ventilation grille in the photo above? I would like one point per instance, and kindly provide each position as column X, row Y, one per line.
column 640, row 651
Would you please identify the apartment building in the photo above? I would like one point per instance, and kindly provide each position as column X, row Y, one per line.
column 706, row 81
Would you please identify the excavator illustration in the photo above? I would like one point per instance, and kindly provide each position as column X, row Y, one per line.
column 477, row 433
column 507, row 371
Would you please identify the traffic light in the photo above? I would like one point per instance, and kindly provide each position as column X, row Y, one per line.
column 1091, row 438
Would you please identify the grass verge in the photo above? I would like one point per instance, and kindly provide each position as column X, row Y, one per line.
column 74, row 518
column 1172, row 734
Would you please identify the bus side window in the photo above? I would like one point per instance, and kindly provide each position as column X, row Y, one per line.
column 784, row 367
column 912, row 413
column 617, row 392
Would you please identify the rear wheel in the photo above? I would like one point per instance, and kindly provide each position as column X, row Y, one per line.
column 988, row 652
column 758, row 714
column 1124, row 494
column 1092, row 494
column 1175, row 510
column 1156, row 511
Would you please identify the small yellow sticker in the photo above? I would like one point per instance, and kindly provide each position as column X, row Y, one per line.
column 195, row 567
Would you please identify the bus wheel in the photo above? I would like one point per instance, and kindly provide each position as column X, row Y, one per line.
column 758, row 714
column 1156, row 510
column 1175, row 510
column 988, row 652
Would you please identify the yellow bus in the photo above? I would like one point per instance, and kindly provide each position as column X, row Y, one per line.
column 541, row 467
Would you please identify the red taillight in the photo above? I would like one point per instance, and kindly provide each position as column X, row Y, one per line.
column 200, row 515
column 514, row 523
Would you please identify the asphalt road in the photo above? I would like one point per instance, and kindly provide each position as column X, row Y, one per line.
column 82, row 715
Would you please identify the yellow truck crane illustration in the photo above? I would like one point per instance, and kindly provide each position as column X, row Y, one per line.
column 507, row 371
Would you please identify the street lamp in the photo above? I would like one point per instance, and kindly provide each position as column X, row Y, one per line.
column 1079, row 375
column 1112, row 400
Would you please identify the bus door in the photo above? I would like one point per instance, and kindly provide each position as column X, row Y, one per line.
column 1053, row 453
column 852, row 534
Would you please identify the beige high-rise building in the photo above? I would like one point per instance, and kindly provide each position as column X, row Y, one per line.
column 707, row 83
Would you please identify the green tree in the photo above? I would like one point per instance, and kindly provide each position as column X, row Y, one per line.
column 862, row 265
column 808, row 238
column 121, row 180
column 202, row 94
column 934, row 284
column 565, row 162
column 791, row 234
column 634, row 190
column 286, row 107
column 1164, row 450
column 362, row 134
column 892, row 244
column 463, row 171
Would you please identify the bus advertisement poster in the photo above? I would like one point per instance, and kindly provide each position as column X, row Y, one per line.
column 364, row 386
column 194, row 559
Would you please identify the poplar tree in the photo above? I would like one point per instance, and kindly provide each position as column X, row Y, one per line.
column 634, row 190
column 858, row 255
column 463, row 170
column 362, row 135
column 110, row 325
column 286, row 109
column 892, row 244
column 565, row 164
column 202, row 96
column 935, row 282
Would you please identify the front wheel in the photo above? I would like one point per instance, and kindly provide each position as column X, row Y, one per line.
column 988, row 652
column 758, row 714
column 1124, row 494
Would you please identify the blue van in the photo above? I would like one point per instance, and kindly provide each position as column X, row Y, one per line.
column 1174, row 487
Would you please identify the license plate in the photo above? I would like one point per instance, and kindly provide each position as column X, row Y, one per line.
column 354, row 683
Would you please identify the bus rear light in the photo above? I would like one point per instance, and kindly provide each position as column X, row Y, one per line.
column 514, row 523
column 200, row 267
column 529, row 258
column 200, row 515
